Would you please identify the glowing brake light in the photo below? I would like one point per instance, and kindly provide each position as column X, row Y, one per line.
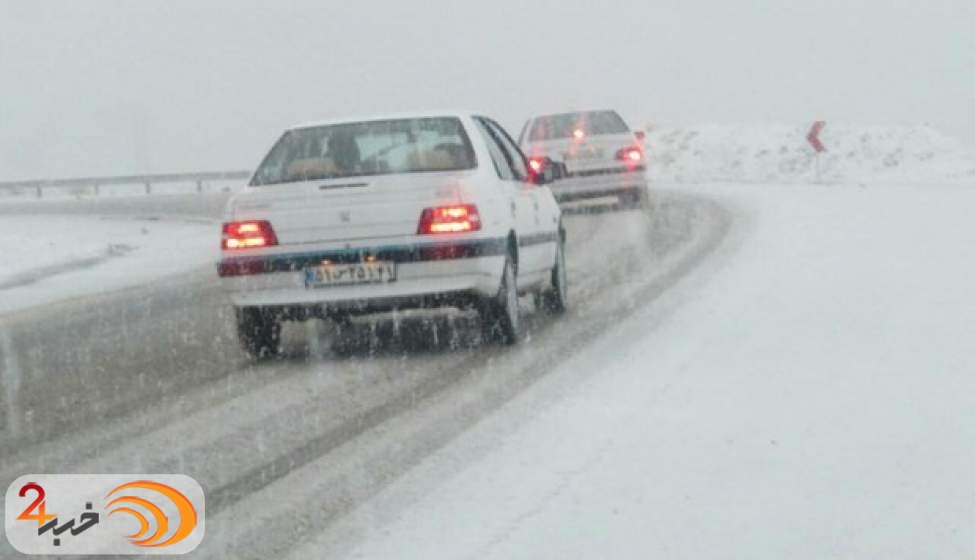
column 449, row 219
column 579, row 134
column 537, row 164
column 248, row 235
column 631, row 156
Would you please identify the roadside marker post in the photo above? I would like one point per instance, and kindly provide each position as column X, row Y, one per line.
column 817, row 144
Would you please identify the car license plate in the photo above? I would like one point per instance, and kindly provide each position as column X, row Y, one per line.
column 325, row 275
column 584, row 152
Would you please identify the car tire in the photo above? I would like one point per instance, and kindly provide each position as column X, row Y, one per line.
column 634, row 199
column 501, row 314
column 344, row 341
column 555, row 299
column 259, row 332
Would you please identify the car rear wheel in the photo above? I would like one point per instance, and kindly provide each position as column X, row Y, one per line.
column 633, row 199
column 555, row 298
column 344, row 341
column 500, row 315
column 259, row 332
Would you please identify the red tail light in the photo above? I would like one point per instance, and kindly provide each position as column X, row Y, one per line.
column 537, row 164
column 449, row 219
column 248, row 235
column 632, row 156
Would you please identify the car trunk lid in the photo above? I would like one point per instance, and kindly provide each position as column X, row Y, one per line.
column 357, row 208
column 587, row 154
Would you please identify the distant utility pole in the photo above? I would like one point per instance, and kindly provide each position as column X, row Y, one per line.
column 814, row 141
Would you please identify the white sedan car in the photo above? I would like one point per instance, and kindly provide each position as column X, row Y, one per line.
column 369, row 216
column 602, row 156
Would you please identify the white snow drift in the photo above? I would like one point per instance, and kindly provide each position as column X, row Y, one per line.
column 48, row 258
column 780, row 154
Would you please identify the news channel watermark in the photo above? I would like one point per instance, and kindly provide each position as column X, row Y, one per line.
column 136, row 514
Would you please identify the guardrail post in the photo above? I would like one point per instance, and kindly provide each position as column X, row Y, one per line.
column 96, row 189
column 148, row 187
column 199, row 185
column 39, row 195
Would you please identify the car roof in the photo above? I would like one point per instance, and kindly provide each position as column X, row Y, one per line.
column 387, row 117
column 578, row 112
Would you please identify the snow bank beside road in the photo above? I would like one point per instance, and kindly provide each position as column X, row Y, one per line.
column 46, row 258
column 808, row 395
column 780, row 153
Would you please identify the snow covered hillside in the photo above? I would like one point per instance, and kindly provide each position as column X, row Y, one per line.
column 780, row 154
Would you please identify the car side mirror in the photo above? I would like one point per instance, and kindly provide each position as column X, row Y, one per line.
column 559, row 171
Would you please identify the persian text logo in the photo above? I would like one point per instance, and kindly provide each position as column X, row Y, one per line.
column 76, row 514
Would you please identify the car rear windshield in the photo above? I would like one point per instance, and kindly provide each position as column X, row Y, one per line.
column 367, row 148
column 593, row 123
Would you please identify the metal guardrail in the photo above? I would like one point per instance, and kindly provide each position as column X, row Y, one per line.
column 142, row 181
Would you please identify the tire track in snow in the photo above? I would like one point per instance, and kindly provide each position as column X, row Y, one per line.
column 311, row 498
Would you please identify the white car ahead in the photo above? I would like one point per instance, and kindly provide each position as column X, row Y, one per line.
column 362, row 217
column 602, row 156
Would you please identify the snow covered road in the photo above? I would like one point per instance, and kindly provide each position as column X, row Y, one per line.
column 805, row 391
column 151, row 381
column 808, row 393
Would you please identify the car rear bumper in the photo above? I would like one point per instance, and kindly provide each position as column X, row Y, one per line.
column 426, row 276
column 597, row 186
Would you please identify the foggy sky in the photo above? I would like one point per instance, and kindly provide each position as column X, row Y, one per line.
column 115, row 87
